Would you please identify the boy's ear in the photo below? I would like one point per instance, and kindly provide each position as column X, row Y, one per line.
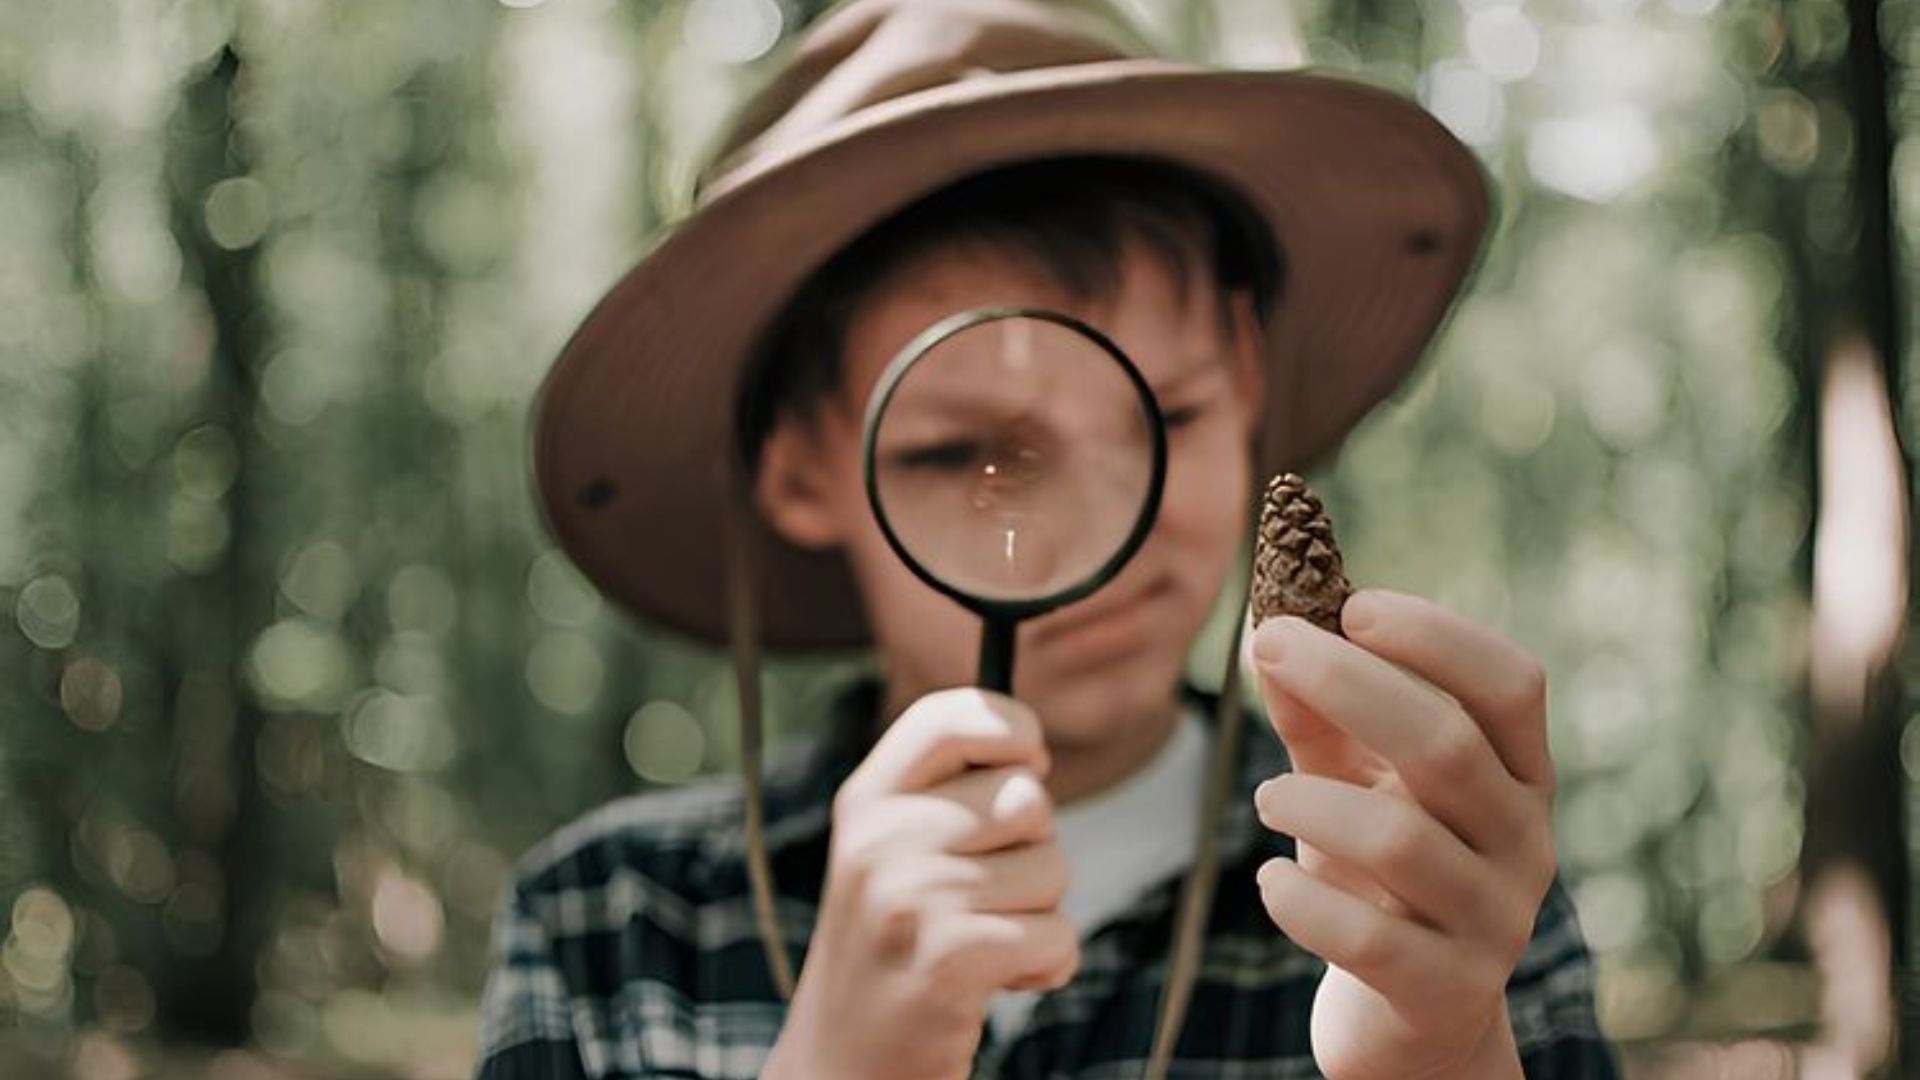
column 791, row 488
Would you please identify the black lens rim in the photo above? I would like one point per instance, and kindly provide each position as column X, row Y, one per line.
column 923, row 345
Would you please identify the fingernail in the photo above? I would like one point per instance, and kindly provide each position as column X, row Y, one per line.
column 1357, row 613
column 1264, row 876
column 1269, row 646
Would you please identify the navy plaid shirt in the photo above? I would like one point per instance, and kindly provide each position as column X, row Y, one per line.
column 627, row 947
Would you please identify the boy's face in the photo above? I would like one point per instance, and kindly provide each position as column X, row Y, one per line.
column 1100, row 671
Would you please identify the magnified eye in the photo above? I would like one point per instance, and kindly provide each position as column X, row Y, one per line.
column 952, row 455
column 1012, row 457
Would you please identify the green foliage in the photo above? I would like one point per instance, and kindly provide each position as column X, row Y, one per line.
column 291, row 673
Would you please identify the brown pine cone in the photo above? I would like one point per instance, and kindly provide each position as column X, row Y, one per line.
column 1296, row 567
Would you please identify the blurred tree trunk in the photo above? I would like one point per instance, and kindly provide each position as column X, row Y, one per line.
column 207, row 995
column 1854, row 865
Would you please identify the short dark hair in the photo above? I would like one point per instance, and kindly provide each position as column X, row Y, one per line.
column 1067, row 216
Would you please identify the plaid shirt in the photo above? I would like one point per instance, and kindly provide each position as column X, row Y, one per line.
column 628, row 948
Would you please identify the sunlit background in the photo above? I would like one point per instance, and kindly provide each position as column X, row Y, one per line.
column 291, row 675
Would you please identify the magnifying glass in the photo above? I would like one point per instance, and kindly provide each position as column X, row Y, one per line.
column 1014, row 460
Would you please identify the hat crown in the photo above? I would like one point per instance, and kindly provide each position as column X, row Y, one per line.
column 863, row 53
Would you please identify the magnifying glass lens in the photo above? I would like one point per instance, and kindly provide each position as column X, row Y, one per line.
column 1014, row 459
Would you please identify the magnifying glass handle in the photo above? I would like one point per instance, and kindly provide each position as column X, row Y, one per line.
column 996, row 654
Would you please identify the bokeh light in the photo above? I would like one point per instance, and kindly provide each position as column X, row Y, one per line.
column 664, row 743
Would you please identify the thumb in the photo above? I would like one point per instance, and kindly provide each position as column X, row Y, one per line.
column 1314, row 744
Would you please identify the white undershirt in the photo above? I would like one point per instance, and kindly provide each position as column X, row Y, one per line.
column 1121, row 843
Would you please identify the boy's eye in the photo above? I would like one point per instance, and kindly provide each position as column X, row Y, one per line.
column 1181, row 417
column 953, row 455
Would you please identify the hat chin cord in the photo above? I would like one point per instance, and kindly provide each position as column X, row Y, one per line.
column 743, row 631
column 1197, row 891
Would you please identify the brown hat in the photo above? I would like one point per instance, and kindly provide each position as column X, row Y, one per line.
column 1380, row 212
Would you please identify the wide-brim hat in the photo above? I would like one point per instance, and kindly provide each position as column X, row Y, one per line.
column 1379, row 210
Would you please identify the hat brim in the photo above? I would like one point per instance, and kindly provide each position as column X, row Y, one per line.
column 1379, row 209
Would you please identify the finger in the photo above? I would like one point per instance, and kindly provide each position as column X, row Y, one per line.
column 980, row 810
column 1313, row 744
column 1438, row 751
column 1404, row 962
column 1499, row 683
column 1343, row 874
column 947, row 732
column 1437, row 879
column 1030, row 879
column 1003, row 951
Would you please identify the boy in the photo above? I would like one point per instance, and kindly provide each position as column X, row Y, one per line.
column 1272, row 251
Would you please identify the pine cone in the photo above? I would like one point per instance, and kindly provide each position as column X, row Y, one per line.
column 1296, row 567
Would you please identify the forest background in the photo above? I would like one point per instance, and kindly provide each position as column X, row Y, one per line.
column 290, row 673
